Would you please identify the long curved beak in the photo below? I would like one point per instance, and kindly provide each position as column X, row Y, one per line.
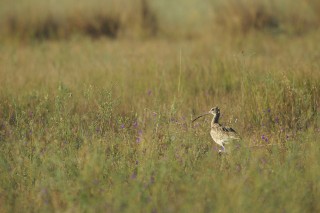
column 200, row 116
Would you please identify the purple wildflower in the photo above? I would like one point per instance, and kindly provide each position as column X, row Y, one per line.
column 122, row 126
column 134, row 175
column 196, row 125
column 149, row 92
column 263, row 160
column 135, row 124
column 173, row 120
column 44, row 195
column 264, row 138
column 138, row 140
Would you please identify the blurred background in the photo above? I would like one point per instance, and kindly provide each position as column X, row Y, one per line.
column 54, row 19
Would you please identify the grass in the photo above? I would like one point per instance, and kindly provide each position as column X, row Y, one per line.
column 104, row 125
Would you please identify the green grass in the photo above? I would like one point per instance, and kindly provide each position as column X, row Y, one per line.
column 101, row 126
column 104, row 125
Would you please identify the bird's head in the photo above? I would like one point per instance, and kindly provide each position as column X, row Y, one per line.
column 215, row 111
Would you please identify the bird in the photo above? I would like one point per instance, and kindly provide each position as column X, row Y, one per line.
column 220, row 134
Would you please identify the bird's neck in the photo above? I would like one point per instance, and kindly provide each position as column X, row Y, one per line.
column 215, row 120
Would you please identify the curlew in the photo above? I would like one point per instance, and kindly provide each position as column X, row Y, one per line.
column 220, row 134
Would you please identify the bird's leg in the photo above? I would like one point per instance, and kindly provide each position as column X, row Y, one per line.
column 222, row 150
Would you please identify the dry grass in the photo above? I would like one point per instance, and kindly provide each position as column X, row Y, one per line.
column 103, row 125
column 34, row 19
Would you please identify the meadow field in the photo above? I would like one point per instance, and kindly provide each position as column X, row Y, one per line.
column 97, row 98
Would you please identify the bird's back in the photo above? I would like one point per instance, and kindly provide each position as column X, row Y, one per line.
column 223, row 135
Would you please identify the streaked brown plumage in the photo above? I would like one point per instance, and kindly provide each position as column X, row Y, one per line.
column 222, row 135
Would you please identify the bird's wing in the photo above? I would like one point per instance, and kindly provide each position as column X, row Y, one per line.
column 231, row 132
column 228, row 129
